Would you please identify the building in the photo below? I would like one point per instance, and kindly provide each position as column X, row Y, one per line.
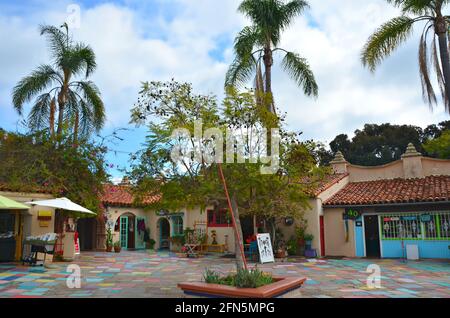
column 384, row 210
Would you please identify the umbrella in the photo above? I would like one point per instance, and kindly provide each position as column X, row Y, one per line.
column 62, row 203
column 8, row 204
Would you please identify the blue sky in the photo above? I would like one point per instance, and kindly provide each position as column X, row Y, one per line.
column 191, row 40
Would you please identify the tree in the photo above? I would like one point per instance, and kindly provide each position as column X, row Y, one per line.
column 396, row 31
column 31, row 162
column 77, row 102
column 256, row 44
column 439, row 146
column 192, row 181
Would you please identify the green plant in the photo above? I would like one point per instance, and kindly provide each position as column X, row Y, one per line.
column 177, row 239
column 109, row 237
column 292, row 246
column 253, row 278
column 117, row 244
column 152, row 243
column 308, row 237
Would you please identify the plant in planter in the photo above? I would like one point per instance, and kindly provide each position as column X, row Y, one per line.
column 109, row 240
column 308, row 241
column 292, row 246
column 149, row 242
column 214, row 237
column 117, row 247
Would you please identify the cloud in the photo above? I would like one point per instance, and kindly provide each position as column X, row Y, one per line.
column 191, row 40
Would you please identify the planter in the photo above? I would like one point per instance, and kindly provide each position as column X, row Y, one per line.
column 117, row 249
column 281, row 254
column 308, row 245
column 281, row 286
column 109, row 248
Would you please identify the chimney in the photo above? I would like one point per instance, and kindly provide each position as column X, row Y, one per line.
column 339, row 164
column 412, row 163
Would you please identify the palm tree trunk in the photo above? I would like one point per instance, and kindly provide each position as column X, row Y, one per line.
column 52, row 117
column 441, row 31
column 268, row 62
column 62, row 98
column 238, row 244
column 75, row 129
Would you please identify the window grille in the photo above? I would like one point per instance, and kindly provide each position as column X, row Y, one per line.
column 415, row 226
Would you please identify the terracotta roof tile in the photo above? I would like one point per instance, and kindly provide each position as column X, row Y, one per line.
column 428, row 189
column 121, row 195
column 329, row 181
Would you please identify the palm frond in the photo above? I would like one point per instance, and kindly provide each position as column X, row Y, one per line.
column 58, row 40
column 439, row 75
column 246, row 40
column 32, row 85
column 38, row 117
column 240, row 71
column 91, row 98
column 79, row 59
column 427, row 88
column 416, row 7
column 298, row 68
column 385, row 40
column 291, row 10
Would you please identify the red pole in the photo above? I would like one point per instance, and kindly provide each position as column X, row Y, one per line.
column 232, row 215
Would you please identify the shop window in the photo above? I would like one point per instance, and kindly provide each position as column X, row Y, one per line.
column 218, row 218
column 177, row 225
column 444, row 225
column 401, row 227
column 6, row 224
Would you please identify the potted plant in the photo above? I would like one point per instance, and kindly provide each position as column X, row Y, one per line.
column 176, row 243
column 109, row 240
column 292, row 246
column 149, row 242
column 308, row 241
column 117, row 247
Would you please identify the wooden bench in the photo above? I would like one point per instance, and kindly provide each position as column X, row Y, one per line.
column 213, row 248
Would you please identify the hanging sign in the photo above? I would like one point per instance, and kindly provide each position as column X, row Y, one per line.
column 265, row 248
column 351, row 214
column 162, row 213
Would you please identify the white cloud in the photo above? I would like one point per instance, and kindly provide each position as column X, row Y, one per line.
column 193, row 42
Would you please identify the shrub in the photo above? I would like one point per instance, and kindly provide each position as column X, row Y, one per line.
column 253, row 278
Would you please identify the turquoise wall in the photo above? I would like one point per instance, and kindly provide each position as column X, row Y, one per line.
column 427, row 249
column 359, row 238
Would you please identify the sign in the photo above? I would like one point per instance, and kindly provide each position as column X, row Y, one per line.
column 351, row 214
column 265, row 248
column 425, row 218
column 358, row 223
column 409, row 218
column 162, row 213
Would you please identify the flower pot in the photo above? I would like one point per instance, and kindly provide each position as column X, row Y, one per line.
column 281, row 286
column 117, row 249
column 109, row 248
column 308, row 245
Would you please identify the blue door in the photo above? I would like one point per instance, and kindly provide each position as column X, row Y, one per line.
column 140, row 226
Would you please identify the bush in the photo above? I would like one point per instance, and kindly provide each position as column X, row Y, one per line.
column 253, row 278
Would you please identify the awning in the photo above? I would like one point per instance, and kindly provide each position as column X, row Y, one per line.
column 62, row 203
column 8, row 204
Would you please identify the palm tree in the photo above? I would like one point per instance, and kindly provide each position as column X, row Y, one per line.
column 77, row 102
column 256, row 44
column 396, row 31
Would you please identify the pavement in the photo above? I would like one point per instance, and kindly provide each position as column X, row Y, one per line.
column 156, row 274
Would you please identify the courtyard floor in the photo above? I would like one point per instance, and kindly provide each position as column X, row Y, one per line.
column 150, row 274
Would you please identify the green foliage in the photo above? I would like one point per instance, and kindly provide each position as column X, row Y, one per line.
column 439, row 146
column 117, row 244
column 381, row 144
column 292, row 246
column 109, row 237
column 34, row 162
column 434, row 24
column 56, row 88
column 308, row 237
column 197, row 183
column 253, row 278
column 255, row 45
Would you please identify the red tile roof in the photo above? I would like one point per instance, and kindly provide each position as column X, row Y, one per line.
column 121, row 195
column 428, row 189
column 329, row 181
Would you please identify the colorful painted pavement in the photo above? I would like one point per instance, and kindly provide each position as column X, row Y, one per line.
column 146, row 274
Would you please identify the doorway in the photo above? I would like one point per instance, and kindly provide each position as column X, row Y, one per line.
column 372, row 236
column 86, row 229
column 127, row 229
column 164, row 233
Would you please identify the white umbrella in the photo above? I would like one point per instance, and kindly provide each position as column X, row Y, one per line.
column 61, row 203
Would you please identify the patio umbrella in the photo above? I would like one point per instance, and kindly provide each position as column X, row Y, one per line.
column 8, row 204
column 62, row 203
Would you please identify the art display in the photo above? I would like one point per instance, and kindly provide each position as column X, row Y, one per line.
column 265, row 248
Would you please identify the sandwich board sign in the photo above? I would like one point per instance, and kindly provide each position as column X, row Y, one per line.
column 265, row 248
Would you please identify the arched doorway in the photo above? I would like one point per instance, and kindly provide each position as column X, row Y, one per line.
column 164, row 233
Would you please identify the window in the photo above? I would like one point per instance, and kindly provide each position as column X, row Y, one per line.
column 6, row 224
column 177, row 225
column 218, row 218
column 415, row 226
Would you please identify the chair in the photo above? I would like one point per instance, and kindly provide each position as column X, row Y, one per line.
column 252, row 252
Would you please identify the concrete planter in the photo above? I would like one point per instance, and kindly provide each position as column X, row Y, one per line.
column 281, row 286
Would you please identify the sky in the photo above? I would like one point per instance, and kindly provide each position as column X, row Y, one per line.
column 192, row 40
